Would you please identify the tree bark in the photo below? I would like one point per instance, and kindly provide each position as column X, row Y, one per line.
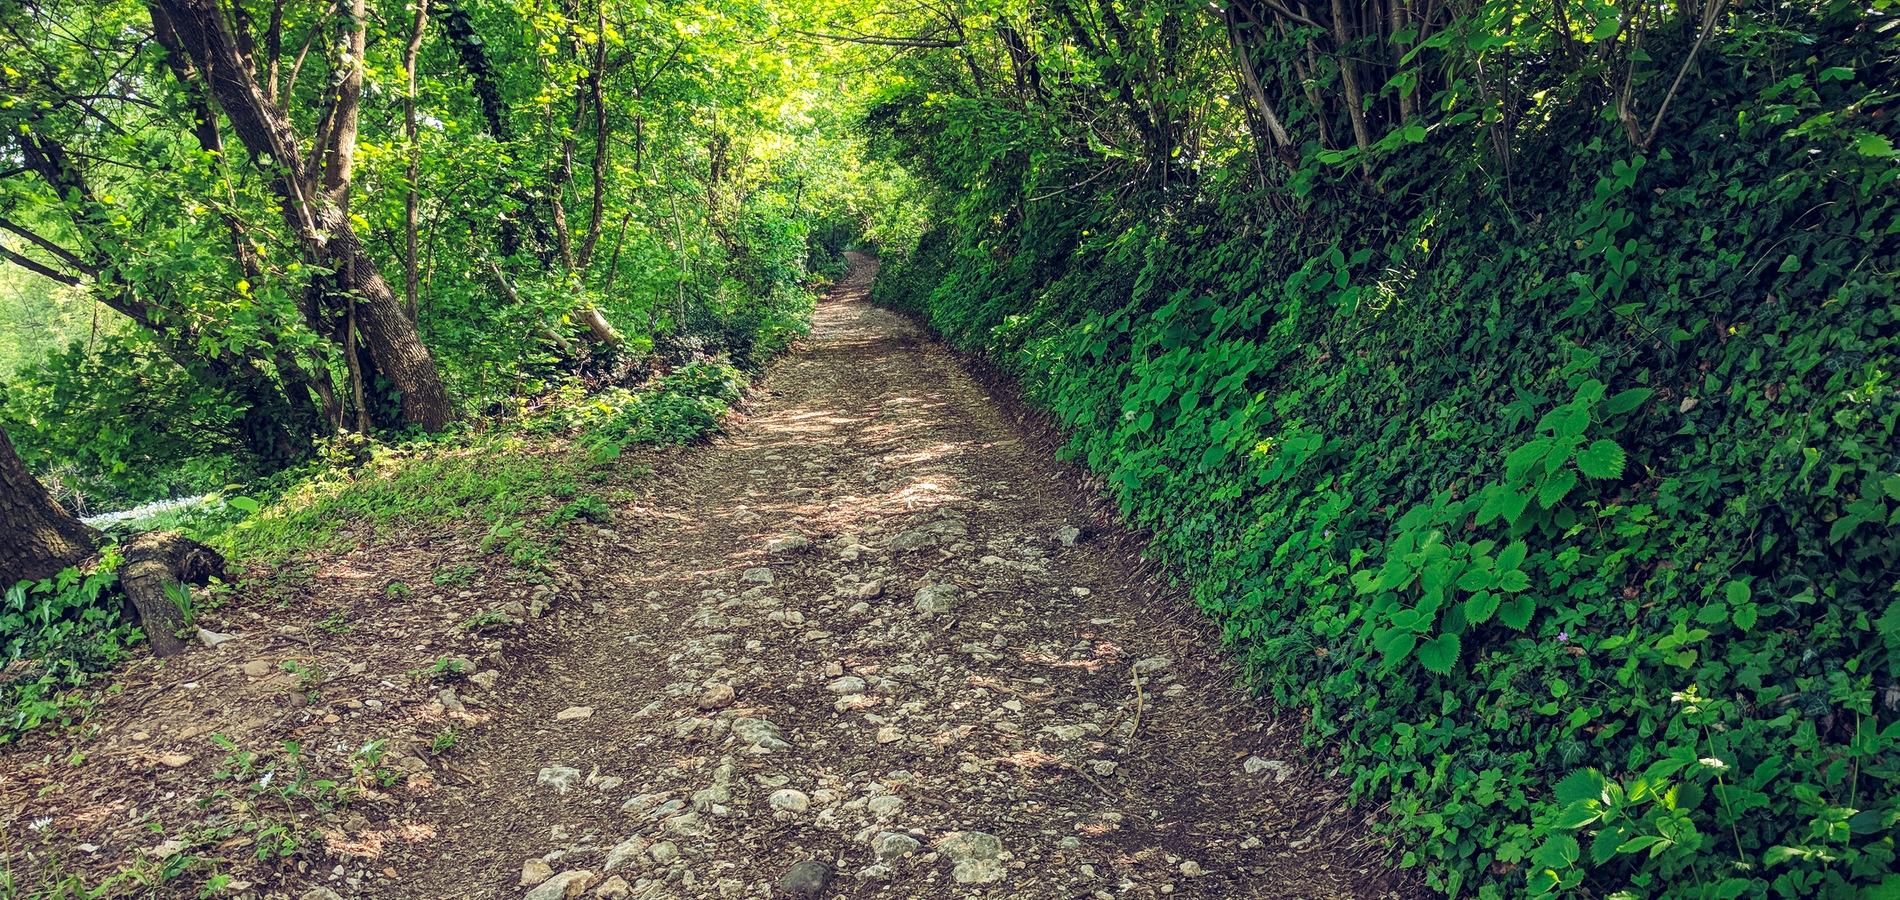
column 38, row 538
column 157, row 565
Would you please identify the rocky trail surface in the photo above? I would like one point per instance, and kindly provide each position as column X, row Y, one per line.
column 873, row 642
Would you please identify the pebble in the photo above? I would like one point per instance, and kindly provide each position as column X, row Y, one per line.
column 1067, row 535
column 937, row 598
column 560, row 778
column 1192, row 869
column 1153, row 664
column 557, row 887
column 849, row 684
column 805, row 880
column 715, row 696
column 789, row 800
column 664, row 852
column 573, row 712
column 790, row 544
column 759, row 733
column 257, row 668
column 625, row 853
column 1255, row 765
column 535, row 871
column 174, row 760
column 615, row 888
column 976, row 857
column 760, row 575
column 889, row 846
column 212, row 639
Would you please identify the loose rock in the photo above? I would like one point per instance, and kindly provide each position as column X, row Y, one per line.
column 789, row 800
column 976, row 857
column 715, row 696
column 561, row 885
column 535, row 871
column 560, row 778
column 625, row 853
column 890, row 846
column 791, row 544
column 805, row 880
column 937, row 598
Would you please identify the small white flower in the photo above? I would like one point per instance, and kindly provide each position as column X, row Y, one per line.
column 265, row 781
column 1713, row 763
column 40, row 824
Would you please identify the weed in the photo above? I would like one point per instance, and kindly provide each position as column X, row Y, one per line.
column 484, row 620
column 444, row 740
column 336, row 623
column 447, row 669
column 454, row 575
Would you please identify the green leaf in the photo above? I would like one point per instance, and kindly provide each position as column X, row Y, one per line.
column 1602, row 459
column 1875, row 145
column 1439, row 654
column 241, row 504
column 1476, row 580
column 1843, row 527
column 1891, row 485
column 1520, row 460
column 1558, row 852
column 1512, row 556
column 1398, row 646
column 1639, row 844
column 1480, row 607
column 1555, row 488
column 1791, row 263
column 1603, row 848
column 1513, row 581
column 1517, row 613
column 1578, row 786
column 1512, row 504
column 1626, row 400
column 1577, row 815
column 1712, row 614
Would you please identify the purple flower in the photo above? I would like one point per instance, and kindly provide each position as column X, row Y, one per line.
column 1563, row 636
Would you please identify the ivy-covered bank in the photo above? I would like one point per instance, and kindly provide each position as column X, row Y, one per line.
column 1561, row 493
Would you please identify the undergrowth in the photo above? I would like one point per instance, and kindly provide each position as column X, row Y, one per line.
column 517, row 484
column 1567, row 512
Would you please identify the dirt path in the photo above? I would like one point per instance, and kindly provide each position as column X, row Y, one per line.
column 849, row 632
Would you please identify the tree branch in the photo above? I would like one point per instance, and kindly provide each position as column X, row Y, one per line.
column 31, row 266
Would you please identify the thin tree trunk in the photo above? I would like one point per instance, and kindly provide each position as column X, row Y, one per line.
column 410, row 271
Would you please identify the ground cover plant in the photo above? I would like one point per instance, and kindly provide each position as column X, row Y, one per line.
column 1512, row 384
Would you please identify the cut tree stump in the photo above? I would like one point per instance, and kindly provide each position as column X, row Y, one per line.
column 155, row 564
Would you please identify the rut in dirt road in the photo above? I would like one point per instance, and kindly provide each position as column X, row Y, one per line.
column 863, row 629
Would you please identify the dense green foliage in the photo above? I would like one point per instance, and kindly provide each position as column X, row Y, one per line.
column 1517, row 396
column 560, row 191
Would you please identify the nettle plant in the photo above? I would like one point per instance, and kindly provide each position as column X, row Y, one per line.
column 1432, row 590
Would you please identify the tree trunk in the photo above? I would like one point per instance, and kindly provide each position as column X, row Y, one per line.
column 158, row 565
column 38, row 537
column 314, row 214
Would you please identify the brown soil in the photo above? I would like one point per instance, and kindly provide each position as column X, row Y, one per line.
column 1061, row 728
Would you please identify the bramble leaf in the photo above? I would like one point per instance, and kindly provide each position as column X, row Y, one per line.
column 1602, row 459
